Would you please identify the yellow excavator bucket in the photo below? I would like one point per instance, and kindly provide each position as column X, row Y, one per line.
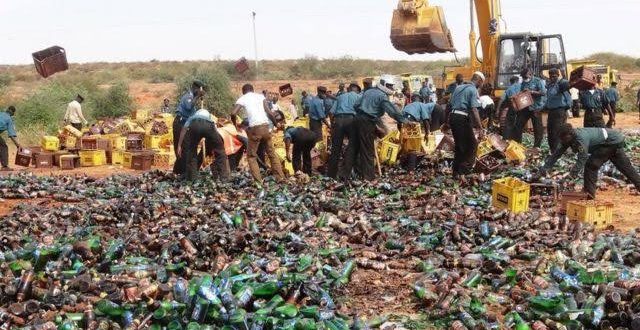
column 419, row 28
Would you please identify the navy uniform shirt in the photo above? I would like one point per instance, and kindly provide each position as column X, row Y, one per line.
column 328, row 104
column 186, row 106
column 511, row 91
column 316, row 109
column 425, row 93
column 452, row 88
column 293, row 133
column 587, row 140
column 538, row 85
column 6, row 124
column 465, row 98
column 593, row 99
column 306, row 102
column 345, row 103
column 558, row 95
column 612, row 94
column 419, row 111
column 374, row 103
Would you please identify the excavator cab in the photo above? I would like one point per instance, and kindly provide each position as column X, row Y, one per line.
column 419, row 28
column 539, row 52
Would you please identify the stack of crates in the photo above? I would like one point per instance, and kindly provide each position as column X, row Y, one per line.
column 511, row 194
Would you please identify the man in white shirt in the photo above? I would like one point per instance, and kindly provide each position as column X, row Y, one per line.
column 74, row 115
column 258, row 115
column 293, row 112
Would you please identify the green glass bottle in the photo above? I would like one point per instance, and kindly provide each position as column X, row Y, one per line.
column 287, row 311
column 266, row 289
column 109, row 308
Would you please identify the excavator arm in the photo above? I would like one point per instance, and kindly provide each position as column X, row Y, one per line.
column 419, row 28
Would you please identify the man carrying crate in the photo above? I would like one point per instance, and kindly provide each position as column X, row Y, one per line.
column 6, row 124
column 594, row 146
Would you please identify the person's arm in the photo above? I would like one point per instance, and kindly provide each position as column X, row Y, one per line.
column 11, row 131
column 427, row 128
column 234, row 114
column 553, row 158
column 322, row 114
column 391, row 109
column 80, row 115
column 478, row 121
column 287, row 148
column 66, row 115
column 581, row 158
column 183, row 132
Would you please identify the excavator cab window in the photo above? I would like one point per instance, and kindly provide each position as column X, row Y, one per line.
column 552, row 56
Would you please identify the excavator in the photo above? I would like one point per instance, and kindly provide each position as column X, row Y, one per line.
column 418, row 28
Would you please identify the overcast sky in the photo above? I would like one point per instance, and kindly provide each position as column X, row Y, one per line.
column 141, row 30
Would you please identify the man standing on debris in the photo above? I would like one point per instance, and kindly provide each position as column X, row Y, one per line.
column 505, row 103
column 425, row 91
column 558, row 102
column 6, row 124
column 303, row 141
column 74, row 114
column 306, row 103
column 317, row 113
column 594, row 147
column 595, row 103
column 343, row 113
column 166, row 106
column 201, row 125
column 452, row 87
column 462, row 119
column 613, row 96
column 369, row 109
column 538, row 90
column 258, row 116
column 186, row 107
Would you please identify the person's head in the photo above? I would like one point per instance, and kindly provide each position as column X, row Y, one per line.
column 416, row 98
column 389, row 85
column 477, row 78
column 459, row 78
column 11, row 110
column 367, row 83
column 554, row 75
column 353, row 87
column 247, row 88
column 526, row 74
column 341, row 87
column 322, row 92
column 567, row 134
column 304, row 94
column 405, row 84
column 279, row 116
column 329, row 92
column 425, row 82
column 487, row 89
column 166, row 102
column 264, row 92
column 614, row 84
column 599, row 78
column 293, row 101
column 514, row 80
column 197, row 87
column 79, row 98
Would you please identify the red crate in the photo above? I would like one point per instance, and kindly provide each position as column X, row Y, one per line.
column 242, row 65
column 50, row 61
column 522, row 100
column 142, row 161
column 43, row 159
column 23, row 157
column 583, row 78
column 285, row 90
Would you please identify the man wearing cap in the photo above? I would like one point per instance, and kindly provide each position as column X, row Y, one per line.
column 425, row 91
column 595, row 104
column 305, row 101
column 343, row 113
column 317, row 113
column 6, row 124
column 613, row 96
column 369, row 109
column 201, row 125
column 505, row 103
column 186, row 107
column 463, row 117
column 74, row 114
column 538, row 90
column 558, row 102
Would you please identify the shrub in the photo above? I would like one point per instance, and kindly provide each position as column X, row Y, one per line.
column 219, row 98
column 113, row 102
column 5, row 80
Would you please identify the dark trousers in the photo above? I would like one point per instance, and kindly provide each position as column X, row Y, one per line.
column 614, row 107
column 522, row 117
column 234, row 160
column 343, row 126
column 316, row 127
column 4, row 153
column 201, row 129
column 365, row 148
column 262, row 154
column 179, row 165
column 437, row 117
column 557, row 117
column 600, row 156
column 593, row 118
column 466, row 146
column 575, row 108
column 509, row 131
column 304, row 141
column 77, row 126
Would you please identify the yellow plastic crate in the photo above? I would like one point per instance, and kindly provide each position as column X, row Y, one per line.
column 511, row 194
column 484, row 148
column 119, row 142
column 167, row 118
column 50, row 143
column 127, row 158
column 117, row 157
column 515, row 152
column 288, row 166
column 412, row 144
column 388, row 152
column 70, row 141
column 153, row 141
column 429, row 146
column 92, row 158
column 411, row 130
column 73, row 131
column 301, row 122
column 596, row 213
column 140, row 114
column 278, row 139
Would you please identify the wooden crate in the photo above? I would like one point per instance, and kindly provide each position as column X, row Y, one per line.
column 69, row 162
column 142, row 161
column 43, row 159
column 51, row 60
column 583, row 78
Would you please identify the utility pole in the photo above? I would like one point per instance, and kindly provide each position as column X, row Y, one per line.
column 255, row 41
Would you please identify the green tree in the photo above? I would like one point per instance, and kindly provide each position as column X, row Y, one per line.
column 218, row 98
column 113, row 102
